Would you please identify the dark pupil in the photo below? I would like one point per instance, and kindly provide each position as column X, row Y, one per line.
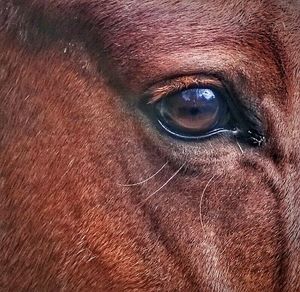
column 193, row 110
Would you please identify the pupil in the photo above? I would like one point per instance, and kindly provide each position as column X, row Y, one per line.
column 194, row 111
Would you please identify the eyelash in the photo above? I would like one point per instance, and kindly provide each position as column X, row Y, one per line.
column 250, row 130
column 179, row 84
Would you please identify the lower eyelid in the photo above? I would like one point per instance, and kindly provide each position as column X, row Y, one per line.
column 199, row 138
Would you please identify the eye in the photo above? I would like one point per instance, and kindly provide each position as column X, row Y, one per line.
column 198, row 107
column 193, row 113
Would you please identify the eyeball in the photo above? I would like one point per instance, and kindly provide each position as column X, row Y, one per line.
column 192, row 112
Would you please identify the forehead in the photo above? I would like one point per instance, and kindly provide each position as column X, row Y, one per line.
column 146, row 41
column 157, row 39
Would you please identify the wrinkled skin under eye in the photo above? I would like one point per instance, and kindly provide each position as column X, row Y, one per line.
column 192, row 112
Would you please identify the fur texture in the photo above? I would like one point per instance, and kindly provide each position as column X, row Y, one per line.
column 71, row 136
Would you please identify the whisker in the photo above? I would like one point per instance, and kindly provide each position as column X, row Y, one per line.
column 201, row 200
column 145, row 180
column 240, row 147
column 160, row 188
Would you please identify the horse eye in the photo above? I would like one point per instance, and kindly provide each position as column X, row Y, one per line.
column 193, row 113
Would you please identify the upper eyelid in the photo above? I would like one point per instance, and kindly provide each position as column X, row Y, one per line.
column 173, row 86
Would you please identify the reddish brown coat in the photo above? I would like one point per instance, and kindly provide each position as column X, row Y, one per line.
column 71, row 75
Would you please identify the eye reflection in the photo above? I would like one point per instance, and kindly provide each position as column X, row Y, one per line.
column 191, row 112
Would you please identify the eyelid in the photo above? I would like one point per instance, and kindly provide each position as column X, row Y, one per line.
column 170, row 87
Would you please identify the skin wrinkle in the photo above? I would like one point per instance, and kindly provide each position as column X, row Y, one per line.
column 201, row 199
column 74, row 72
column 278, row 192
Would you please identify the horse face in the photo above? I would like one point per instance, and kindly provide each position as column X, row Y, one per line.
column 112, row 179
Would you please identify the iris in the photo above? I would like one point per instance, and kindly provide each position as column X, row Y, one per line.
column 192, row 112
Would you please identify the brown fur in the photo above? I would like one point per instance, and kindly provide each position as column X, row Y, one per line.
column 71, row 76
